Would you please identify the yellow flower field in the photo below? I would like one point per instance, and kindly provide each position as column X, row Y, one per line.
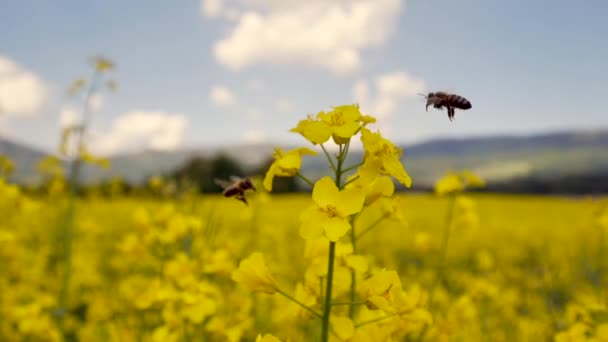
column 517, row 268
column 352, row 261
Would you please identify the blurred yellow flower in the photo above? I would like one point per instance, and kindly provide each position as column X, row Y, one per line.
column 450, row 183
column 6, row 166
column 387, row 154
column 381, row 289
column 286, row 164
column 329, row 214
column 266, row 338
column 343, row 328
column 454, row 182
column 254, row 274
column 102, row 64
column 357, row 262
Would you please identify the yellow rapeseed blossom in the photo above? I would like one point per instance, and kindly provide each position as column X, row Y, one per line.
column 343, row 328
column 370, row 182
column 286, row 164
column 381, row 289
column 450, row 183
column 455, row 182
column 102, row 64
column 6, row 166
column 254, row 274
column 341, row 124
column 266, row 338
column 329, row 215
column 387, row 154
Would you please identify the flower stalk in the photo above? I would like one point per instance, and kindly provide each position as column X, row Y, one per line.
column 305, row 307
column 67, row 235
column 328, row 288
column 332, row 247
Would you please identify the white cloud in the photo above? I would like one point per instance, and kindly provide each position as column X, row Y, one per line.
column 325, row 33
column 96, row 103
column 389, row 91
column 254, row 136
column 212, row 8
column 222, row 96
column 22, row 93
column 253, row 114
column 142, row 129
column 69, row 116
column 283, row 106
column 256, row 85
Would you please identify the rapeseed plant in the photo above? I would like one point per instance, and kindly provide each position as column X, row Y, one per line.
column 338, row 200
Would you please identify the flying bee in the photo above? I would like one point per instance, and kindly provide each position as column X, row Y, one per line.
column 442, row 99
column 236, row 187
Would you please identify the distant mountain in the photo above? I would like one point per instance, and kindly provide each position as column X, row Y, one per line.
column 498, row 159
column 25, row 159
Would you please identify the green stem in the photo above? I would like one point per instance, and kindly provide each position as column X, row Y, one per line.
column 331, row 161
column 75, row 167
column 352, row 167
column 347, row 303
column 327, row 306
column 372, row 226
column 302, row 177
column 350, row 181
column 353, row 273
column 442, row 258
column 304, row 306
column 376, row 320
column 444, row 247
column 332, row 253
column 345, row 151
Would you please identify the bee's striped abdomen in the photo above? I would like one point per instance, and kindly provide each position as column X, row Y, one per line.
column 458, row 101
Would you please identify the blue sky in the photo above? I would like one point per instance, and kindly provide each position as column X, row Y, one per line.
column 213, row 72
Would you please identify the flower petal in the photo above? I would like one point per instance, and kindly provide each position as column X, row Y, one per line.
column 394, row 167
column 325, row 192
column 335, row 228
column 312, row 223
column 346, row 130
column 349, row 201
column 343, row 327
column 316, row 132
column 270, row 177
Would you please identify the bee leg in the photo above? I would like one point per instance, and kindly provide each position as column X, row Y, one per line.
column 451, row 113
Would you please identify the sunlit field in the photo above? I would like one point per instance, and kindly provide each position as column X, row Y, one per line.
column 154, row 268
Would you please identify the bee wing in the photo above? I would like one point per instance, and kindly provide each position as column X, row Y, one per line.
column 235, row 179
column 222, row 183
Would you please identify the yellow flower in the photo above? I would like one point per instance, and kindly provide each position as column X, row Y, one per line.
column 6, row 166
column 102, row 64
column 373, row 185
column 306, row 297
column 255, row 275
column 381, row 290
column 387, row 154
column 330, row 213
column 343, row 328
column 267, row 338
column 450, row 183
column 454, row 182
column 181, row 270
column 285, row 164
column 472, row 180
column 341, row 124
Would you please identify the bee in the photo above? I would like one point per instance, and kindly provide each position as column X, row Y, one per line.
column 236, row 187
column 442, row 99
